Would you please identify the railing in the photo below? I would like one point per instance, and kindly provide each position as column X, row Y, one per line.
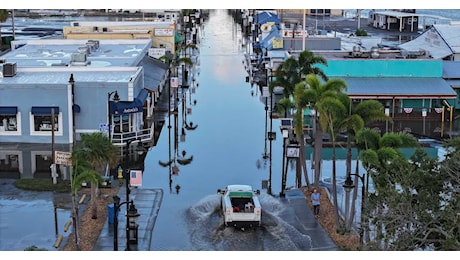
column 144, row 136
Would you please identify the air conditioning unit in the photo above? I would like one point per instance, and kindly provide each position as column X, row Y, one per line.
column 9, row 69
column 78, row 57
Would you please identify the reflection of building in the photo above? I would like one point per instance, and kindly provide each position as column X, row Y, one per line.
column 40, row 92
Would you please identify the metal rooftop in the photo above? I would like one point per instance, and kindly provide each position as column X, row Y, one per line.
column 89, row 53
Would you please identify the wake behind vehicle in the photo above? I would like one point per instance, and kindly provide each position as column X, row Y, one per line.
column 240, row 206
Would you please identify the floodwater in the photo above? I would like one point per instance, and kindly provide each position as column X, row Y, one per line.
column 226, row 148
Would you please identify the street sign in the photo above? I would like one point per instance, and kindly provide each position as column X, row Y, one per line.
column 63, row 158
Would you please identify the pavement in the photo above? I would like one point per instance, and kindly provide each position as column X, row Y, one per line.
column 147, row 202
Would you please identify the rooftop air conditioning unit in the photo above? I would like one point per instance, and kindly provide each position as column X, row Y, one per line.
column 9, row 69
column 78, row 57
column 84, row 50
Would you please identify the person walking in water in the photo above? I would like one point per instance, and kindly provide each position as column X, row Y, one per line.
column 315, row 201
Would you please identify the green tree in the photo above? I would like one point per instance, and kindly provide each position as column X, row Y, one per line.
column 90, row 157
column 294, row 70
column 315, row 94
column 357, row 117
column 385, row 164
column 333, row 114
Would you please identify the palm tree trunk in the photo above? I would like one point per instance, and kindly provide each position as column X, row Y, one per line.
column 347, row 194
column 355, row 196
column 93, row 200
column 318, row 149
column 75, row 220
column 303, row 159
column 334, row 184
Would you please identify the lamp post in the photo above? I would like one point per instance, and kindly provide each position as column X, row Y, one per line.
column 285, row 133
column 424, row 116
column 131, row 217
column 348, row 186
column 116, row 98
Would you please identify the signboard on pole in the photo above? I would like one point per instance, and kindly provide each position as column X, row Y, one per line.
column 135, row 178
column 174, row 82
column 64, row 158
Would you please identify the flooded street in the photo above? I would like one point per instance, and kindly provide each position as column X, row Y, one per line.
column 226, row 146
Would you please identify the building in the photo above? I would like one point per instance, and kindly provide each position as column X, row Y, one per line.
column 71, row 84
column 163, row 34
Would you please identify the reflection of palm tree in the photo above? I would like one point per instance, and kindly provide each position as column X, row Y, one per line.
column 190, row 126
column 183, row 160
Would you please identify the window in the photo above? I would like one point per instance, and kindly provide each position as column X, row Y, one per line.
column 41, row 120
column 43, row 123
column 8, row 119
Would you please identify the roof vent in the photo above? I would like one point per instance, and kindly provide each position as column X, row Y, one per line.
column 9, row 69
column 357, row 51
column 375, row 52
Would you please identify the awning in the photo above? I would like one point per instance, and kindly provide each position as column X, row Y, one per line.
column 154, row 72
column 177, row 38
column 44, row 110
column 126, row 107
column 398, row 87
column 8, row 110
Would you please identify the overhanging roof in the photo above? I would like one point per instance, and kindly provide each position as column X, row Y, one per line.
column 398, row 87
column 154, row 72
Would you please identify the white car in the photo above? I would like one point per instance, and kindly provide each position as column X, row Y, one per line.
column 240, row 206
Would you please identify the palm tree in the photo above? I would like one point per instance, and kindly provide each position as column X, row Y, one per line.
column 333, row 112
column 290, row 73
column 377, row 153
column 90, row 157
column 293, row 71
column 315, row 94
column 356, row 118
column 301, row 102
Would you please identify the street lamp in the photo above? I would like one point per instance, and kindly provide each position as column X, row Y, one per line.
column 285, row 133
column 348, row 186
column 424, row 116
column 116, row 98
column 131, row 217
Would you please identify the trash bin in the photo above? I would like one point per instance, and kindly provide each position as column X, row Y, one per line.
column 111, row 213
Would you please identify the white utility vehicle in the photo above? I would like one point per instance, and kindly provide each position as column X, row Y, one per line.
column 240, row 206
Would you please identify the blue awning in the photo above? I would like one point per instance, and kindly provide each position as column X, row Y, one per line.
column 126, row 107
column 44, row 110
column 8, row 110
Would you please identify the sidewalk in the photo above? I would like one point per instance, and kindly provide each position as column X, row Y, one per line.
column 147, row 202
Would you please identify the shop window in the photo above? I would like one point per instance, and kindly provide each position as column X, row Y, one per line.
column 42, row 123
column 8, row 123
column 9, row 163
column 9, row 119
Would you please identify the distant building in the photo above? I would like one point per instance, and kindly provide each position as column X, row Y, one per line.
column 163, row 34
